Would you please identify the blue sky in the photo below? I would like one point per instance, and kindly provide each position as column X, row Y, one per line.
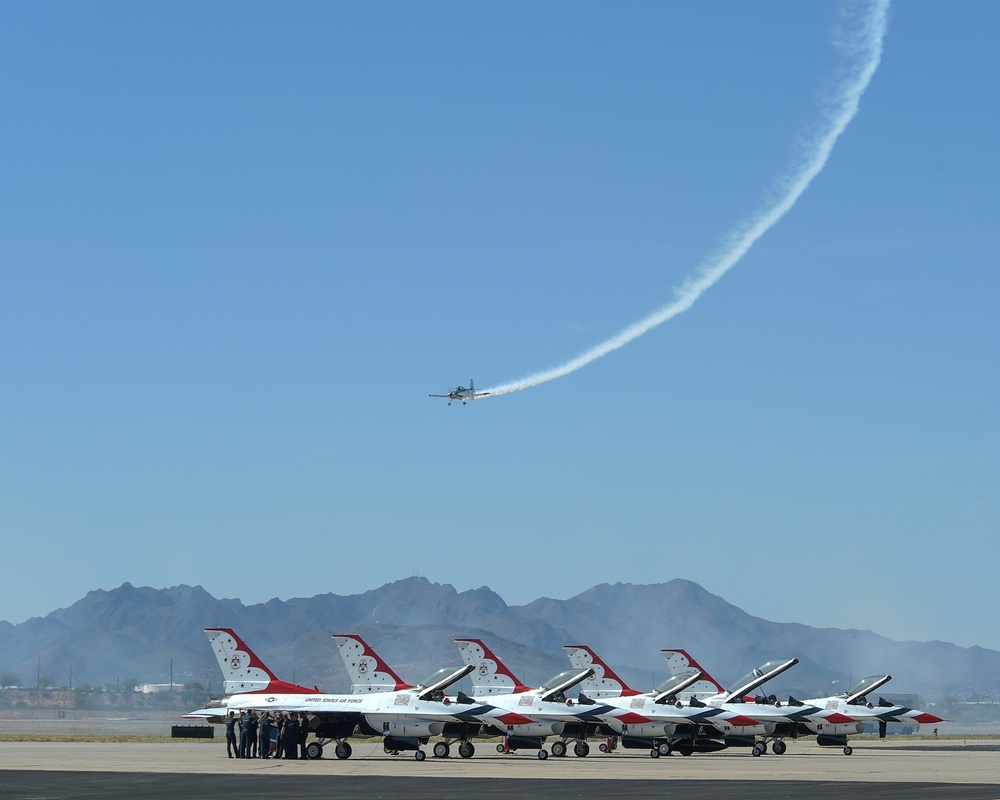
column 241, row 242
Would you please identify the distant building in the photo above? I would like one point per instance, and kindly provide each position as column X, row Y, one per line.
column 153, row 688
column 908, row 700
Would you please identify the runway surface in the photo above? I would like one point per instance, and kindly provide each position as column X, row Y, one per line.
column 34, row 771
column 30, row 785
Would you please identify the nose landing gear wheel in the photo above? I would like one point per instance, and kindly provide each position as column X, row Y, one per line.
column 420, row 755
column 542, row 755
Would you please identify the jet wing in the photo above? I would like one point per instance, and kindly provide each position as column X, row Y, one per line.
column 441, row 680
column 208, row 714
column 758, row 677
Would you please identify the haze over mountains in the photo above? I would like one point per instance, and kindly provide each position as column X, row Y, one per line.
column 136, row 632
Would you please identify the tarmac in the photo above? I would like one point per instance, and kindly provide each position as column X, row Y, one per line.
column 925, row 769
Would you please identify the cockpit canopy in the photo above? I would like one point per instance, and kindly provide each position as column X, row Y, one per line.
column 757, row 677
column 555, row 688
column 865, row 686
column 432, row 687
column 675, row 684
column 437, row 676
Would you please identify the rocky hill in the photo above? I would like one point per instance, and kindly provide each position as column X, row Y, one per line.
column 137, row 632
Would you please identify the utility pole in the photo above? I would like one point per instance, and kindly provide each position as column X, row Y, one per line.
column 171, row 674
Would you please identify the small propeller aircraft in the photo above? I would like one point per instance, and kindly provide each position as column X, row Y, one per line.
column 463, row 394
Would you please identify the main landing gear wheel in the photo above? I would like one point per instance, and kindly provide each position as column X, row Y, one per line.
column 664, row 748
column 314, row 750
column 581, row 749
column 342, row 750
column 559, row 749
column 848, row 750
column 779, row 747
column 420, row 755
column 466, row 749
column 542, row 754
column 441, row 750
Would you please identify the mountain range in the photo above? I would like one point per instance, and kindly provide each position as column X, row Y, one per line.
column 142, row 633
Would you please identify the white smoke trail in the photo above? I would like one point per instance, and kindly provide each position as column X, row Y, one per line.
column 862, row 41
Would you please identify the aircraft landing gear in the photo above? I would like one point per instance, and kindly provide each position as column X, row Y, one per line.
column 848, row 750
column 542, row 754
column 343, row 750
column 441, row 750
column 581, row 749
column 466, row 749
column 779, row 747
column 420, row 755
column 314, row 750
column 559, row 749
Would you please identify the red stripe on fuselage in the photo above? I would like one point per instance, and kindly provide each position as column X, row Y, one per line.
column 631, row 718
column 511, row 718
column 740, row 721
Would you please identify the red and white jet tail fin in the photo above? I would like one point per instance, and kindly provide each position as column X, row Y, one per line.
column 490, row 675
column 604, row 683
column 242, row 671
column 679, row 661
column 368, row 672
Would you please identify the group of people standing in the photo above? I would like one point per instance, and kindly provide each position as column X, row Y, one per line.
column 253, row 735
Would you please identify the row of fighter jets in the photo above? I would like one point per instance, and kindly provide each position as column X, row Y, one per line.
column 690, row 712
